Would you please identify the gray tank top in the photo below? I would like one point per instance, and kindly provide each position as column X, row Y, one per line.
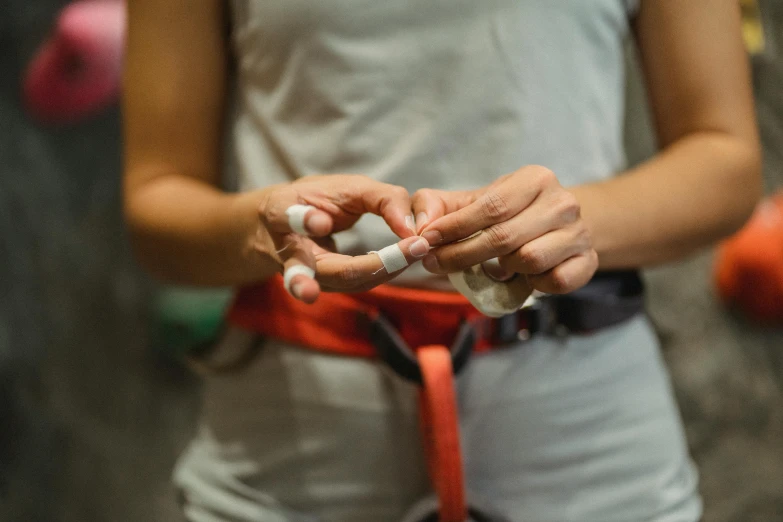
column 445, row 94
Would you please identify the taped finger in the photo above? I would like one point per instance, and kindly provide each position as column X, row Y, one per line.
column 293, row 271
column 296, row 217
column 298, row 260
column 392, row 258
column 281, row 217
column 346, row 273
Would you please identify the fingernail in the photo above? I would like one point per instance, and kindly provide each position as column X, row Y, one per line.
column 493, row 269
column 410, row 223
column 419, row 248
column 431, row 263
column 318, row 225
column 421, row 219
column 433, row 237
column 296, row 289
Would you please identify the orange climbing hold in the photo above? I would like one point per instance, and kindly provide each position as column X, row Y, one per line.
column 749, row 265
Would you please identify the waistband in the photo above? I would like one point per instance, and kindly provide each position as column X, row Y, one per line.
column 342, row 323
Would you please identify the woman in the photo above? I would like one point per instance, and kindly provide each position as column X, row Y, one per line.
column 430, row 105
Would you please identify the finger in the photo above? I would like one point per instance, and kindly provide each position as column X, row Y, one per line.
column 391, row 202
column 499, row 202
column 324, row 244
column 359, row 273
column 286, row 210
column 548, row 251
column 430, row 204
column 299, row 281
column 296, row 254
column 328, row 204
column 493, row 269
column 497, row 240
column 568, row 276
column 307, row 220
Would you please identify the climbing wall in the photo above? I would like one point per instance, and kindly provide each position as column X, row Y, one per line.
column 90, row 419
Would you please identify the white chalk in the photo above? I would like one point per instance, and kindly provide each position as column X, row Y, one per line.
column 296, row 217
column 294, row 271
column 392, row 258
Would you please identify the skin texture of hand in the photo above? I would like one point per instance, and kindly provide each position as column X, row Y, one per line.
column 525, row 219
column 339, row 201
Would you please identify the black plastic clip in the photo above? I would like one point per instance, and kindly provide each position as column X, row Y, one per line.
column 395, row 352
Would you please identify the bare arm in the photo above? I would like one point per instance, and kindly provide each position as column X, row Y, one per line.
column 184, row 228
column 706, row 180
column 703, row 184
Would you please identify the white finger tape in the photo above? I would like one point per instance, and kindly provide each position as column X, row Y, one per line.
column 296, row 217
column 392, row 258
column 490, row 297
column 294, row 271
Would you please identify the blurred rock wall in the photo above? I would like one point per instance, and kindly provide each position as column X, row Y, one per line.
column 90, row 419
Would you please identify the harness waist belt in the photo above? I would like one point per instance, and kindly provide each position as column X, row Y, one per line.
column 341, row 323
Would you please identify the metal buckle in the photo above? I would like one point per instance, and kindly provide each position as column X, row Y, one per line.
column 540, row 317
column 546, row 317
column 395, row 352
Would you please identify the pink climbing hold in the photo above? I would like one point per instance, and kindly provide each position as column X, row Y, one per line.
column 77, row 71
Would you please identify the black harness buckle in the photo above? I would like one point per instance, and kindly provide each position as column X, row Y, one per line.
column 395, row 352
column 541, row 317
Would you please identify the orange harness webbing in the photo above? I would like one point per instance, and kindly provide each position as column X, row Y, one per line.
column 440, row 432
column 337, row 323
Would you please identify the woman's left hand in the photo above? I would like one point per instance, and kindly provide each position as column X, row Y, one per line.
column 525, row 219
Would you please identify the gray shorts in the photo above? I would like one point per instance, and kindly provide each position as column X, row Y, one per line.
column 582, row 428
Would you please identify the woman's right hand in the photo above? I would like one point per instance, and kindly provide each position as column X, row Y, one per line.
column 339, row 200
